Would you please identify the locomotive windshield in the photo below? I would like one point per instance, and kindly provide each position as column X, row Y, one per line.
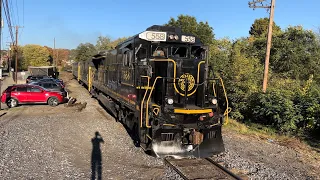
column 197, row 52
column 165, row 50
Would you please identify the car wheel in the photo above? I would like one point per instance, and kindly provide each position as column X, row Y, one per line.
column 12, row 103
column 53, row 101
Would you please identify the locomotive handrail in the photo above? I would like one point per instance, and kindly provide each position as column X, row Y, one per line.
column 147, row 105
column 228, row 110
column 142, row 102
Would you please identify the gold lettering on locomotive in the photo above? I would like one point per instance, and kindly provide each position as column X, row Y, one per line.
column 191, row 81
column 126, row 75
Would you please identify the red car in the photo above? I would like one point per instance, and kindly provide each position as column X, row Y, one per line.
column 29, row 94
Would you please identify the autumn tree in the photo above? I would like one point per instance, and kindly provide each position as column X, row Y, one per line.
column 61, row 56
column 51, row 54
column 85, row 51
column 35, row 55
column 189, row 24
column 21, row 63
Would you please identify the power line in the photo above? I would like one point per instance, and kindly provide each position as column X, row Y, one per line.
column 17, row 11
column 12, row 13
column 7, row 14
column 22, row 19
column 266, row 64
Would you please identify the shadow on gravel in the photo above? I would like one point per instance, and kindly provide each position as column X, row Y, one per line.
column 3, row 114
column 96, row 165
column 130, row 130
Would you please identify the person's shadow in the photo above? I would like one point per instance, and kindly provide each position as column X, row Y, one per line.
column 96, row 165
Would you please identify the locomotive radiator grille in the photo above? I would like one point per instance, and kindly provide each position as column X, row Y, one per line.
column 211, row 135
column 167, row 136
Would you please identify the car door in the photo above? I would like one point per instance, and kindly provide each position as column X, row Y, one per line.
column 21, row 94
column 36, row 94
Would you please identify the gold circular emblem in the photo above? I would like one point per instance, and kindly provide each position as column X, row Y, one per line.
column 190, row 79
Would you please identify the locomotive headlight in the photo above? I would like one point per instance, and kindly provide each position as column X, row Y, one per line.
column 214, row 101
column 170, row 101
column 171, row 36
column 176, row 37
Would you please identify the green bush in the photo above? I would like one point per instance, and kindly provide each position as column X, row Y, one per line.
column 274, row 108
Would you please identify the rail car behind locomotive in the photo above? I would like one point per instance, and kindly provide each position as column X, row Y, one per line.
column 157, row 84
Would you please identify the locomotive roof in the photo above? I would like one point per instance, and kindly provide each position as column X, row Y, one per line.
column 160, row 28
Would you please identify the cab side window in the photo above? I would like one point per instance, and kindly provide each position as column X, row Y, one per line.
column 127, row 58
column 142, row 54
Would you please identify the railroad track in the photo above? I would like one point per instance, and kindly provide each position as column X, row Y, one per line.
column 199, row 169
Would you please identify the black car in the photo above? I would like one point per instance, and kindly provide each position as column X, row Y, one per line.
column 52, row 80
column 52, row 86
column 35, row 78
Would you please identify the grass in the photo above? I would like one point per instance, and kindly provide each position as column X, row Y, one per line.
column 251, row 129
column 301, row 144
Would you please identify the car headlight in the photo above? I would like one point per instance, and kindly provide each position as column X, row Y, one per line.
column 170, row 101
column 214, row 101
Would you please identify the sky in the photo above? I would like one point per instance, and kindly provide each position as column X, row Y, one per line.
column 72, row 22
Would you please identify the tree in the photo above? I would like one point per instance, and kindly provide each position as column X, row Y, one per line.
column 243, row 77
column 51, row 54
column 114, row 43
column 61, row 56
column 72, row 54
column 260, row 28
column 21, row 63
column 220, row 52
column 85, row 51
column 296, row 54
column 189, row 24
column 35, row 55
column 103, row 43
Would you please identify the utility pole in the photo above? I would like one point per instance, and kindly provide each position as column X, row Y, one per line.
column 9, row 58
column 266, row 64
column 54, row 49
column 16, row 49
column 16, row 64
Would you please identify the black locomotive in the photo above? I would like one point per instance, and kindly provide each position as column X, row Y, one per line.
column 157, row 84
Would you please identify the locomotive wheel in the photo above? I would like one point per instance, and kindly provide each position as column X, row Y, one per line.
column 119, row 116
column 136, row 135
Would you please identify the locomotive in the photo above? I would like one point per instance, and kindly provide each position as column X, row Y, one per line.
column 157, row 84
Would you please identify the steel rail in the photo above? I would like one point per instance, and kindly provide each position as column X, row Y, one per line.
column 223, row 168
column 175, row 169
